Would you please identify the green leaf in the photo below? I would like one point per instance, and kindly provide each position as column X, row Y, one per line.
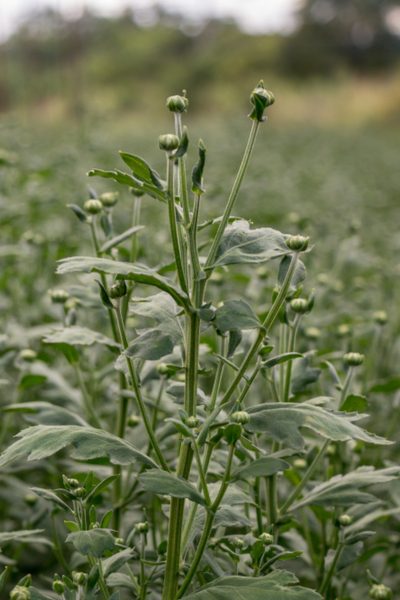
column 280, row 358
column 100, row 487
column 161, row 482
column 354, row 403
column 299, row 275
column 142, row 170
column 334, row 376
column 121, row 580
column 106, row 519
column 240, row 244
column 197, row 173
column 44, row 413
column 181, row 427
column 274, row 586
column 303, row 374
column 234, row 315
column 151, row 345
column 125, row 179
column 43, row 441
column 22, row 535
column 386, row 387
column 92, row 542
column 136, row 272
column 115, row 241
column 104, row 296
column 82, row 216
column 344, row 490
column 357, row 537
column 31, row 380
column 114, row 563
column 262, row 467
column 183, row 144
column 163, row 309
column 79, row 336
column 49, row 495
column 282, row 421
column 71, row 525
column 37, row 594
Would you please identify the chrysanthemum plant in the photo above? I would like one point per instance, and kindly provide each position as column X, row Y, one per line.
column 234, row 467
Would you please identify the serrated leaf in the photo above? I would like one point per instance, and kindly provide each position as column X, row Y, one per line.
column 235, row 315
column 262, row 467
column 282, row 421
column 354, row 403
column 79, row 336
column 43, row 441
column 126, row 179
column 115, row 241
column 150, row 345
column 163, row 309
column 240, row 244
column 299, row 275
column 50, row 496
column 344, row 490
column 161, row 482
column 114, row 563
column 92, row 542
column 44, row 413
column 136, row 272
column 274, row 586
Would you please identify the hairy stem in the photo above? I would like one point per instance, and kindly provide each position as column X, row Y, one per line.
column 173, row 225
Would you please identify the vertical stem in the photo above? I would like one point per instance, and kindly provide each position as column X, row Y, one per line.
column 143, row 586
column 291, row 346
column 346, row 386
column 331, row 572
column 173, row 225
column 218, row 377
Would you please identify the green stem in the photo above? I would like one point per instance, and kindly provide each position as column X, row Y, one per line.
column 182, row 174
column 201, row 472
column 192, row 363
column 234, row 194
column 291, row 346
column 138, row 393
column 173, row 225
column 297, row 491
column 282, row 350
column 57, row 547
column 331, row 572
column 192, row 237
column 102, row 584
column 208, row 526
column 87, row 399
column 272, row 499
column 143, row 586
column 346, row 386
column 257, row 500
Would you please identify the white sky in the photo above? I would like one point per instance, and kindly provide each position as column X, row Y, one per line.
column 256, row 16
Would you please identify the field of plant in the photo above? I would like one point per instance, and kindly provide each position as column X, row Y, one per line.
column 199, row 359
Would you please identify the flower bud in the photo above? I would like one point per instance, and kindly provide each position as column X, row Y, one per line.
column 168, row 142
column 58, row 296
column 142, row 527
column 266, row 538
column 241, row 417
column 300, row 463
column 343, row 330
column 79, row 578
column 191, row 422
column 95, row 525
column 297, row 243
column 260, row 99
column 299, row 305
column 238, row 543
column 380, row 592
column 120, row 541
column 133, row 421
column 162, row 368
column 380, row 317
column 30, row 499
column 58, row 587
column 109, row 199
column 353, row 359
column 178, row 104
column 28, row 355
column 345, row 520
column 93, row 207
column 312, row 333
column 70, row 483
column 20, row 593
column 80, row 492
column 117, row 290
column 137, row 193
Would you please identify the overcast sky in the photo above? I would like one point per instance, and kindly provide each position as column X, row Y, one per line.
column 256, row 16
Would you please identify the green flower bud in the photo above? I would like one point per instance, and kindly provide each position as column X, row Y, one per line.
column 120, row 541
column 117, row 290
column 58, row 296
column 79, row 578
column 162, row 368
column 260, row 99
column 263, row 272
column 95, row 525
column 299, row 305
column 30, row 499
column 353, row 359
column 300, row 463
column 191, row 422
column 343, row 330
column 238, row 543
column 241, row 417
column 168, row 142
column 345, row 520
column 266, row 538
column 109, row 199
column 70, row 483
column 80, row 492
column 28, row 355
column 297, row 243
column 137, row 193
column 312, row 333
column 20, row 593
column 380, row 317
column 142, row 527
column 93, row 207
column 133, row 421
column 178, row 104
column 331, row 450
column 380, row 592
column 58, row 587
column 323, row 279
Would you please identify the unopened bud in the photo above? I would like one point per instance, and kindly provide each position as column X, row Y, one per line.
column 300, row 463
column 238, row 543
column 109, row 199
column 266, row 538
column 191, row 422
column 260, row 99
column 168, row 142
column 312, row 333
column 58, row 587
column 353, row 359
column 343, row 330
column 79, row 578
column 28, row 355
column 380, row 317
column 120, row 541
column 299, row 305
column 380, row 592
column 133, row 421
column 70, row 483
column 93, row 207
column 240, row 416
column 20, row 593
column 345, row 520
column 117, row 290
column 30, row 499
column 58, row 296
column 95, row 525
column 80, row 492
column 178, row 104
column 297, row 243
column 162, row 368
column 142, row 527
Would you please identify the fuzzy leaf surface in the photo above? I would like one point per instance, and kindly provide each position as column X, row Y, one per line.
column 126, row 179
column 45, row 413
column 151, row 345
column 79, row 336
column 234, row 315
column 115, row 241
column 161, row 482
column 117, row 561
column 164, row 311
column 262, row 467
column 92, row 542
